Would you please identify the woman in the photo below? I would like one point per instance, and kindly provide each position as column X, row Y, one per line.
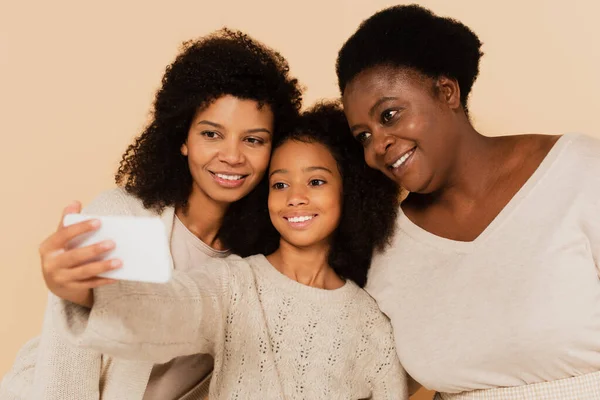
column 491, row 282
column 294, row 324
column 221, row 104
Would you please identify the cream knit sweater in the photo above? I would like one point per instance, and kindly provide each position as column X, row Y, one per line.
column 50, row 368
column 272, row 337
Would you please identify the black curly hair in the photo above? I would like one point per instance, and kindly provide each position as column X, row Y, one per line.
column 225, row 62
column 370, row 199
column 410, row 36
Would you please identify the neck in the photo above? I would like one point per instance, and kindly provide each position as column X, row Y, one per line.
column 477, row 164
column 203, row 217
column 306, row 265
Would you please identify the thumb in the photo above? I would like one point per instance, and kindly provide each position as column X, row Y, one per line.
column 73, row 208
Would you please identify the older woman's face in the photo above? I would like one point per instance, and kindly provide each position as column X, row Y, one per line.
column 404, row 121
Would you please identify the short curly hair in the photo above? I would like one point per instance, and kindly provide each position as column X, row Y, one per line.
column 370, row 199
column 413, row 37
column 225, row 62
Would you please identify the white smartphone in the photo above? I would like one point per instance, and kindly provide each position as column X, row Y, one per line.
column 141, row 243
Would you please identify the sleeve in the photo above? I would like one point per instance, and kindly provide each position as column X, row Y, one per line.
column 389, row 380
column 44, row 368
column 17, row 383
column 153, row 322
column 589, row 156
column 393, row 383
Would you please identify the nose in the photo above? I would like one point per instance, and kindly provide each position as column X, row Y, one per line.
column 382, row 142
column 231, row 153
column 297, row 196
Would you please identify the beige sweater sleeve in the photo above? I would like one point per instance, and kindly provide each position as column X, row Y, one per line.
column 43, row 369
column 388, row 378
column 153, row 322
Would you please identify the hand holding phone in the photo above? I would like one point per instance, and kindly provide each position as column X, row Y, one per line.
column 69, row 273
column 141, row 244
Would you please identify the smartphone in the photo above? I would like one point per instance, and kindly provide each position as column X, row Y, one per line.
column 141, row 243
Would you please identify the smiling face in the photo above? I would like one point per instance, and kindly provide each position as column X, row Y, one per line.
column 228, row 148
column 305, row 197
column 405, row 122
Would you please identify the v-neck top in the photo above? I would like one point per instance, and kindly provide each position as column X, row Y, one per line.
column 520, row 304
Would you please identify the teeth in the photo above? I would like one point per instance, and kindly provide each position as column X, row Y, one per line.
column 229, row 177
column 300, row 219
column 402, row 159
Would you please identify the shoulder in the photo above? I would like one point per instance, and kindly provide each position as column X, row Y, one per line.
column 374, row 321
column 581, row 150
column 239, row 269
column 117, row 202
column 580, row 163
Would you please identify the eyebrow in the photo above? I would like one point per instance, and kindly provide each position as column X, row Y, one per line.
column 307, row 169
column 219, row 126
column 373, row 108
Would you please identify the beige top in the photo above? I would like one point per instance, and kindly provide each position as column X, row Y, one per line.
column 172, row 380
column 518, row 305
column 49, row 368
column 271, row 337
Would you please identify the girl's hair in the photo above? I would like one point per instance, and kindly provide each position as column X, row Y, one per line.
column 370, row 200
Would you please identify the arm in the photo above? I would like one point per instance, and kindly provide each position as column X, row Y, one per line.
column 589, row 156
column 388, row 378
column 153, row 322
column 392, row 384
column 48, row 367
column 17, row 383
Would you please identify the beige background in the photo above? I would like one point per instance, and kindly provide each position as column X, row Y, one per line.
column 76, row 84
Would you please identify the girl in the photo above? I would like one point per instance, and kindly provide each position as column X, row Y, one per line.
column 290, row 325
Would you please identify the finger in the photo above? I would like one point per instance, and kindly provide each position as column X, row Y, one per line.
column 61, row 238
column 73, row 208
column 92, row 270
column 80, row 256
column 95, row 282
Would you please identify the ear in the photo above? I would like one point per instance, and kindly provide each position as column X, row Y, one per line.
column 449, row 91
column 184, row 149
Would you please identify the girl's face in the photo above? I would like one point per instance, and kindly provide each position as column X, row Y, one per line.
column 305, row 197
column 228, row 148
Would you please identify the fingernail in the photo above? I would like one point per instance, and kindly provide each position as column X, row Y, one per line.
column 107, row 244
column 115, row 263
column 95, row 223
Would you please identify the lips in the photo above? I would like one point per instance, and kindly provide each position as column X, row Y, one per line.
column 300, row 221
column 228, row 179
column 400, row 160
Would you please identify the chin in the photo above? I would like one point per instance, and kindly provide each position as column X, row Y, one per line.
column 228, row 197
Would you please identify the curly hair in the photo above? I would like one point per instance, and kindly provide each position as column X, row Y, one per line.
column 370, row 199
column 413, row 37
column 225, row 62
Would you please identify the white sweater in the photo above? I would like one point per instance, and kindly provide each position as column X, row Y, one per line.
column 271, row 337
column 50, row 368
column 518, row 305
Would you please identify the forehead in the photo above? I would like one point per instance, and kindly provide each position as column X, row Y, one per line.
column 297, row 155
column 233, row 110
column 375, row 83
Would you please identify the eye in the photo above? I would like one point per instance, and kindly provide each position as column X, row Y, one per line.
column 363, row 137
column 279, row 185
column 210, row 134
column 316, row 182
column 255, row 140
column 388, row 115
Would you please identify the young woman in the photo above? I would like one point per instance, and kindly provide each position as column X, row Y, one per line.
column 221, row 104
column 294, row 324
column 492, row 280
